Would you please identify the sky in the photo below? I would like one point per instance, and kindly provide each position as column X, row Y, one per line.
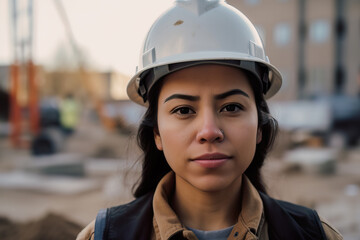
column 110, row 32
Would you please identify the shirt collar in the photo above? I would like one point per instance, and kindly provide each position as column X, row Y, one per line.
column 167, row 224
column 251, row 214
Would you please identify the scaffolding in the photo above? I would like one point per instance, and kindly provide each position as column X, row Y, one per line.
column 24, row 111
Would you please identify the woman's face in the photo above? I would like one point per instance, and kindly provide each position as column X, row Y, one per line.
column 207, row 125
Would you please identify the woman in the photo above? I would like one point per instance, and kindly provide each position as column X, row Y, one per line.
column 204, row 77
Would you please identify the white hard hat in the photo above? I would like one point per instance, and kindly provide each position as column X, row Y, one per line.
column 195, row 32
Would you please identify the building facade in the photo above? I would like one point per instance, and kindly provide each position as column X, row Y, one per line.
column 278, row 23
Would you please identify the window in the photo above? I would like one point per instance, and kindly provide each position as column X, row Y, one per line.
column 318, row 83
column 319, row 31
column 282, row 34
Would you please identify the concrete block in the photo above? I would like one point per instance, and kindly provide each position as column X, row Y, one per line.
column 313, row 160
column 20, row 180
column 66, row 164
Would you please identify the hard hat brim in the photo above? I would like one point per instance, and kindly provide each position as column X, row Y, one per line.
column 275, row 78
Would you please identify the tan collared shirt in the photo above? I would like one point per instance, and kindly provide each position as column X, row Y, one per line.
column 250, row 225
column 251, row 221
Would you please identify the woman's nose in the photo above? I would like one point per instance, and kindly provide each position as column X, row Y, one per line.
column 209, row 130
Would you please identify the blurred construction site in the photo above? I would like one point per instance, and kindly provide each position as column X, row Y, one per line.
column 68, row 132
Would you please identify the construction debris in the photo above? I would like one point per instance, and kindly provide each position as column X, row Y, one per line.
column 51, row 226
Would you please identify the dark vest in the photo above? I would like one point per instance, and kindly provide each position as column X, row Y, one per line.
column 135, row 220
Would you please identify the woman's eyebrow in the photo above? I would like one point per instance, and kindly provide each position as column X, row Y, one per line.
column 231, row 92
column 217, row 97
column 183, row 96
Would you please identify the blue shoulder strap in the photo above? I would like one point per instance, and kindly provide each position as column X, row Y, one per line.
column 100, row 223
column 130, row 221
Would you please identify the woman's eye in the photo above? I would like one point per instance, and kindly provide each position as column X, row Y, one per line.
column 183, row 111
column 232, row 108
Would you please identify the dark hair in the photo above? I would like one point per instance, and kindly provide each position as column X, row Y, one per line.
column 155, row 166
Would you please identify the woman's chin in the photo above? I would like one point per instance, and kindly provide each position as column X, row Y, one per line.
column 215, row 183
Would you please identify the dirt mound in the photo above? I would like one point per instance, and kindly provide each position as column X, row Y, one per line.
column 51, row 226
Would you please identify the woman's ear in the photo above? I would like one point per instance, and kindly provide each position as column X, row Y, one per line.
column 259, row 136
column 157, row 139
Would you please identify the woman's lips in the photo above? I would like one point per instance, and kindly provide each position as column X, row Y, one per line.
column 211, row 160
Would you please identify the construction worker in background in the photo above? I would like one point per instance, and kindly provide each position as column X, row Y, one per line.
column 204, row 77
column 69, row 114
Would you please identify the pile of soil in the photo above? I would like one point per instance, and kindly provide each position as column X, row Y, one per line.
column 51, row 226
